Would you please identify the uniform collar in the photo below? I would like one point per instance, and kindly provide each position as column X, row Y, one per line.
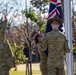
column 55, row 30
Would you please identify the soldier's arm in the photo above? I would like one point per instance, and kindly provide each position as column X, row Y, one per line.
column 8, row 55
column 66, row 47
column 3, row 24
column 43, row 44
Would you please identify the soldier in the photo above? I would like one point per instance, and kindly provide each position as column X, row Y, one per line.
column 43, row 63
column 6, row 60
column 57, row 45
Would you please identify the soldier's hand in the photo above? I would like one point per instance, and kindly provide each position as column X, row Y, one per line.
column 33, row 52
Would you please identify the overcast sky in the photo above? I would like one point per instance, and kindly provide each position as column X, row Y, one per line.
column 17, row 5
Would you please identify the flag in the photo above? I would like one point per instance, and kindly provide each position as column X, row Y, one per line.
column 55, row 9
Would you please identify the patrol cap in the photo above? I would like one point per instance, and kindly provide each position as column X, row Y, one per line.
column 59, row 20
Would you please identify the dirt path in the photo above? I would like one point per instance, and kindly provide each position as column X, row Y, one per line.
column 35, row 66
column 21, row 67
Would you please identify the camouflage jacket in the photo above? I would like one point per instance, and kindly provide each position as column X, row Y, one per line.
column 6, row 57
column 57, row 45
column 2, row 31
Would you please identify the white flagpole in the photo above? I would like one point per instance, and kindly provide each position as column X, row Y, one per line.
column 68, row 31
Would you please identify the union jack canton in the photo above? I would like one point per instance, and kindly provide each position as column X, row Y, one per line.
column 55, row 9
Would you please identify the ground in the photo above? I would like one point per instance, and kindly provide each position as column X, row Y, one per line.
column 22, row 67
column 35, row 66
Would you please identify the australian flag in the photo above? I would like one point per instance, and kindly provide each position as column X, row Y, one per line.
column 55, row 9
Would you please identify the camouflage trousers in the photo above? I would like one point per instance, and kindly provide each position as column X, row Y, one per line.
column 43, row 67
column 56, row 70
column 4, row 71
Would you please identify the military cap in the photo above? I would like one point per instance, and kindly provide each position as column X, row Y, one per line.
column 59, row 20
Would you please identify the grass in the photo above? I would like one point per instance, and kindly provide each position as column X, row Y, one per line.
column 24, row 73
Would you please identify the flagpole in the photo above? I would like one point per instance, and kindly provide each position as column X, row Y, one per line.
column 68, row 31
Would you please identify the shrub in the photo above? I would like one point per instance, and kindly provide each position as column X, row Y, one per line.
column 18, row 53
column 74, row 49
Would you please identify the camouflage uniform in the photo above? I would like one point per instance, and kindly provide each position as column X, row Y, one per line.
column 5, row 52
column 57, row 45
column 43, row 63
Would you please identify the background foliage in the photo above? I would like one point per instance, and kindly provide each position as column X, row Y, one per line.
column 18, row 53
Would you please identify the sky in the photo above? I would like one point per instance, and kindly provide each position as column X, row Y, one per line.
column 17, row 5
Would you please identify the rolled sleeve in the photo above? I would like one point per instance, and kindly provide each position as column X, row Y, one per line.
column 66, row 47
